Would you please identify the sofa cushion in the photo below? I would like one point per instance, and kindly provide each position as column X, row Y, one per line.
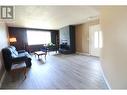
column 13, row 50
column 12, row 53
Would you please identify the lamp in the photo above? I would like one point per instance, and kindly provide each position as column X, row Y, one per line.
column 12, row 40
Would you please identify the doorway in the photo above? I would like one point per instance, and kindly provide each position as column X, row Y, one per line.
column 95, row 40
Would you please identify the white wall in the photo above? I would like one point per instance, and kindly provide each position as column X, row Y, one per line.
column 114, row 52
column 3, row 43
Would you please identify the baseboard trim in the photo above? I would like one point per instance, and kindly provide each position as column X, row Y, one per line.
column 83, row 53
column 106, row 82
column 105, row 79
column 2, row 79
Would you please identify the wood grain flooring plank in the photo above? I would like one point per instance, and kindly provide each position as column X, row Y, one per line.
column 59, row 71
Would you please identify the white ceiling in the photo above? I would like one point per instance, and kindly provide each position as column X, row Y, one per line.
column 52, row 17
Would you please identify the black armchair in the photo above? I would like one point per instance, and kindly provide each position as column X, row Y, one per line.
column 11, row 55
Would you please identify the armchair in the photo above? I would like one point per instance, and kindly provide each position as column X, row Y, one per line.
column 11, row 55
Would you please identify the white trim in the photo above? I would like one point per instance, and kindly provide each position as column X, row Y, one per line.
column 106, row 81
column 2, row 78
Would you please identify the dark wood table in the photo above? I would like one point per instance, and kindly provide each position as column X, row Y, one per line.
column 39, row 53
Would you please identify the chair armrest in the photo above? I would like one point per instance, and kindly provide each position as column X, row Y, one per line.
column 19, row 59
column 21, row 51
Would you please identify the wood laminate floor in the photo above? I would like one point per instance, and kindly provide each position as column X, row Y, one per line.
column 60, row 72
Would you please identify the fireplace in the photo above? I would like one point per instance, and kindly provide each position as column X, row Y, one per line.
column 67, row 40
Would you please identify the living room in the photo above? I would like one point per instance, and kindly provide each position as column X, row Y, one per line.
column 65, row 69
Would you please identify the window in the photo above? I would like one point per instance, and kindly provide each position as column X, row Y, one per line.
column 98, row 39
column 35, row 37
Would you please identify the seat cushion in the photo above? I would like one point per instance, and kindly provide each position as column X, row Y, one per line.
column 19, row 65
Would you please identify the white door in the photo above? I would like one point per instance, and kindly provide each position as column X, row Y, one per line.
column 95, row 40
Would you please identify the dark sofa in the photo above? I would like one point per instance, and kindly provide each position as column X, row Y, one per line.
column 11, row 55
